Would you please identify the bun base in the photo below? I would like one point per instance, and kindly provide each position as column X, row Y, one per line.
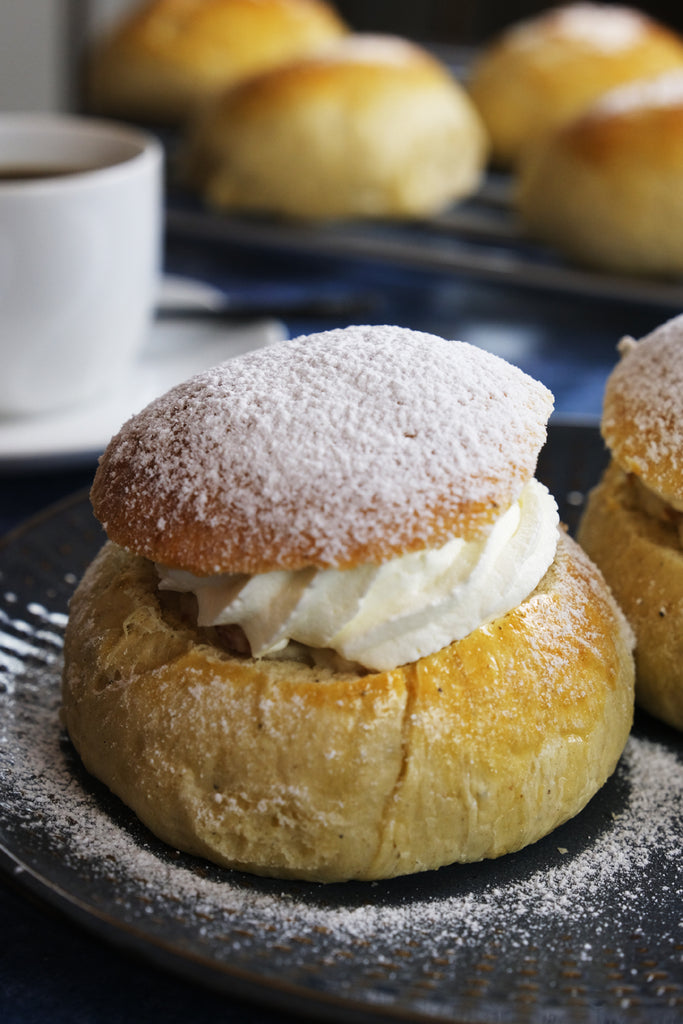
column 642, row 560
column 284, row 770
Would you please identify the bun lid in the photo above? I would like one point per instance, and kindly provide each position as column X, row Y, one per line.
column 346, row 447
column 642, row 421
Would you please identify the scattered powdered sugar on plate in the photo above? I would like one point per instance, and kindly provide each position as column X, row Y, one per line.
column 541, row 926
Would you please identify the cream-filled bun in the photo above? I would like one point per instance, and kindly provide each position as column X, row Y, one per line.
column 606, row 189
column 336, row 631
column 373, row 127
column 633, row 522
column 546, row 69
column 166, row 57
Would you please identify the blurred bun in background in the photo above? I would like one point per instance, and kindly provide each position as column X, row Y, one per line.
column 538, row 72
column 632, row 525
column 374, row 127
column 607, row 187
column 167, row 56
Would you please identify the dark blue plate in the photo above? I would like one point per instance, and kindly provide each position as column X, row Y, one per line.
column 585, row 925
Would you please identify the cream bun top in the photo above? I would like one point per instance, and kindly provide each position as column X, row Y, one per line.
column 642, row 421
column 338, row 449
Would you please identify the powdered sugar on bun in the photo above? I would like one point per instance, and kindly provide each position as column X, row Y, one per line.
column 600, row 27
column 336, row 449
column 547, row 69
column 643, row 410
column 665, row 90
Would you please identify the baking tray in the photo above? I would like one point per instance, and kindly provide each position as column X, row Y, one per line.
column 479, row 239
column 585, row 925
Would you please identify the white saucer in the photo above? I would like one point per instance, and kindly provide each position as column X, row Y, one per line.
column 176, row 349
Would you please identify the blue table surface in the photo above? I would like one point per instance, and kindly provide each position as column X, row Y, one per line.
column 50, row 969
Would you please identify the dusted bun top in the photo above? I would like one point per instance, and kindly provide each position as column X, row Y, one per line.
column 349, row 446
column 642, row 419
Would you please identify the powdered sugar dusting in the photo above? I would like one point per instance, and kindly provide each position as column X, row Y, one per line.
column 600, row 27
column 643, row 409
column 366, row 941
column 664, row 90
column 586, row 925
column 370, row 48
column 324, row 448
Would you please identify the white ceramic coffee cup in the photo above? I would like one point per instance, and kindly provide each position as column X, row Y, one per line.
column 79, row 257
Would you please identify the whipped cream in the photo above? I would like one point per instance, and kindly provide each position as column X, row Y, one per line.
column 381, row 616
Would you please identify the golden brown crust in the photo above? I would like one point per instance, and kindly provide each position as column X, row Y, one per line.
column 607, row 187
column 337, row 449
column 284, row 770
column 169, row 56
column 642, row 559
column 642, row 421
column 374, row 126
column 545, row 70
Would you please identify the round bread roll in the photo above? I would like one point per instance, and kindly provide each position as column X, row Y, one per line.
column 168, row 56
column 607, row 188
column 545, row 70
column 281, row 769
column 374, row 127
column 346, row 449
column 633, row 522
